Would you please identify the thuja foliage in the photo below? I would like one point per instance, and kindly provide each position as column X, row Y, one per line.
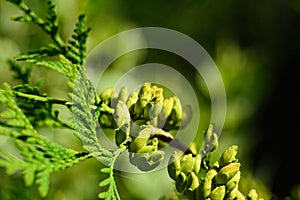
column 143, row 121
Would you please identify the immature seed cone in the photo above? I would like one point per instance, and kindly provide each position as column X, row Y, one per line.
column 228, row 156
column 218, row 193
column 187, row 163
column 122, row 135
column 107, row 95
column 165, row 112
column 174, row 119
column 211, row 139
column 227, row 172
column 174, row 165
column 131, row 101
column 206, row 184
column 140, row 141
column 144, row 122
column 121, row 114
column 233, row 183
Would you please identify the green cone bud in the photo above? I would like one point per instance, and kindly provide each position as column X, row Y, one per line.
column 206, row 184
column 123, row 94
column 120, row 136
column 155, row 110
column 145, row 92
column 121, row 115
column 147, row 109
column 150, row 147
column 193, row 181
column 232, row 194
column 197, row 163
column 228, row 156
column 106, row 109
column 166, row 111
column 174, row 165
column 233, row 183
column 107, row 94
column 157, row 100
column 211, row 139
column 144, row 96
column 139, row 107
column 132, row 99
column 106, row 120
column 252, row 195
column 218, row 193
column 187, row 163
column 181, row 182
column 140, row 141
column 227, row 172
column 174, row 119
column 176, row 114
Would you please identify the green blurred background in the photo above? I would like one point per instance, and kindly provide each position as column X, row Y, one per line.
column 255, row 45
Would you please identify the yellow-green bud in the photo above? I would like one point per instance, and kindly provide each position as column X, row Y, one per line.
column 139, row 107
column 206, row 184
column 166, row 111
column 181, row 182
column 107, row 94
column 232, row 194
column 145, row 92
column 228, row 155
column 218, row 193
column 132, row 99
column 123, row 94
column 121, row 135
column 157, row 94
column 174, row 165
column 227, row 172
column 211, row 138
column 252, row 195
column 155, row 110
column 106, row 120
column 106, row 109
column 187, row 163
column 140, row 141
column 146, row 111
column 233, row 183
column 150, row 147
column 144, row 96
column 197, row 163
column 121, row 115
column 193, row 181
column 176, row 113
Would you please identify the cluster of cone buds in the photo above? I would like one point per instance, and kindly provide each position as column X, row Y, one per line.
column 184, row 169
column 144, row 121
column 219, row 182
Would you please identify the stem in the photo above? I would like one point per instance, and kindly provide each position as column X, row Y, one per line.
column 43, row 99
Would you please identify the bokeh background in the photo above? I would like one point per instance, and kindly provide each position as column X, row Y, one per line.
column 255, row 45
